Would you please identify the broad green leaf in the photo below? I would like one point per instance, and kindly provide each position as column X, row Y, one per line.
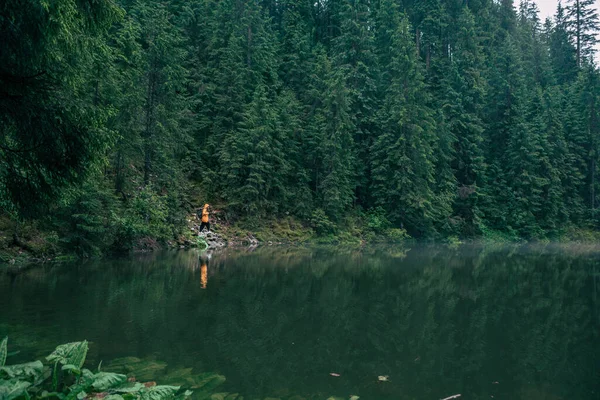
column 107, row 380
column 23, row 371
column 52, row 395
column 114, row 397
column 207, row 382
column 71, row 353
column 72, row 369
column 3, row 351
column 159, row 392
column 84, row 382
column 13, row 388
column 129, row 388
column 86, row 373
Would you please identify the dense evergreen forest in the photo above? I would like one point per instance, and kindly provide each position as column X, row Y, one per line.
column 440, row 117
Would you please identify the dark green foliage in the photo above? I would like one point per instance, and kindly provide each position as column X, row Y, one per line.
column 51, row 131
column 455, row 118
column 321, row 223
column 71, row 381
column 86, row 220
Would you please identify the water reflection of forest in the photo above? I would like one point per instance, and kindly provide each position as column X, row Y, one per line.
column 277, row 321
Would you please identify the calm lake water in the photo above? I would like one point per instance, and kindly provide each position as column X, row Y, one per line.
column 485, row 322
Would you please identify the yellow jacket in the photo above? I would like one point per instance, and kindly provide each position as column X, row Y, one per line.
column 205, row 213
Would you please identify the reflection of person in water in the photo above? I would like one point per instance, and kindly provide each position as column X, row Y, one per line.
column 204, row 270
column 204, row 274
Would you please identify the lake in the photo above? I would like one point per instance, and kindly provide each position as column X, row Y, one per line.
column 421, row 322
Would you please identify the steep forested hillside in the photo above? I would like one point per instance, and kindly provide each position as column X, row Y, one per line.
column 442, row 117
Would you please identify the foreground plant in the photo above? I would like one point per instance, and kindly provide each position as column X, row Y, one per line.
column 66, row 379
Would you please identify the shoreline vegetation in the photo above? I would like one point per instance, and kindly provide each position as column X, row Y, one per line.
column 36, row 245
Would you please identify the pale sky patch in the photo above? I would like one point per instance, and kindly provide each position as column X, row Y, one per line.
column 548, row 7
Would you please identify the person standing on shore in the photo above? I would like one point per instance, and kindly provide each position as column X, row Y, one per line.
column 205, row 222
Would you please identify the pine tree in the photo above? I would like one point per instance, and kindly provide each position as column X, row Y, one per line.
column 164, row 138
column 576, row 138
column 583, row 25
column 464, row 92
column 534, row 45
column 587, row 101
column 128, row 98
column 506, row 118
column 299, row 197
column 253, row 159
column 526, row 163
column 331, row 154
column 296, row 45
column 561, row 199
column 241, row 56
column 507, row 18
column 402, row 156
column 354, row 54
column 562, row 53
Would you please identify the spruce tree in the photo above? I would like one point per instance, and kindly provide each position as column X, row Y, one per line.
column 331, row 153
column 583, row 25
column 563, row 54
column 464, row 92
column 128, row 99
column 353, row 53
column 561, row 199
column 253, row 159
column 534, row 46
column 505, row 115
column 163, row 134
column 402, row 155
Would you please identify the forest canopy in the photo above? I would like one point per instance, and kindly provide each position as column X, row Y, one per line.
column 444, row 117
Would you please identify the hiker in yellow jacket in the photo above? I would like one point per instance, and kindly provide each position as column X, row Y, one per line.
column 205, row 222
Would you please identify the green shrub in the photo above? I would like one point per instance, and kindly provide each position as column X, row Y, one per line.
column 376, row 220
column 396, row 235
column 321, row 223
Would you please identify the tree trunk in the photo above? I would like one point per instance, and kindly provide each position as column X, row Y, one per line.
column 578, row 34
